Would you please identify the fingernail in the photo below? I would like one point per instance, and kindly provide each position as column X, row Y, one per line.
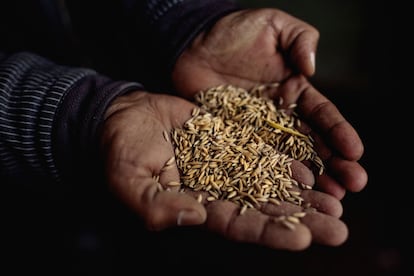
column 312, row 60
column 188, row 217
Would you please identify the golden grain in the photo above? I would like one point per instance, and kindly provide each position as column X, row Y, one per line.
column 293, row 219
column 288, row 224
column 239, row 146
column 170, row 161
column 200, row 198
column 173, row 184
column 299, row 214
column 160, row 187
column 166, row 136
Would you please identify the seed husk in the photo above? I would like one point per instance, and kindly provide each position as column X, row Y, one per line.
column 239, row 146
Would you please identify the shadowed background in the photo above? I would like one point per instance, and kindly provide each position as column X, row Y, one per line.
column 356, row 68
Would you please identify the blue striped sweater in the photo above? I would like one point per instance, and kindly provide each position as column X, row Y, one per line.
column 50, row 113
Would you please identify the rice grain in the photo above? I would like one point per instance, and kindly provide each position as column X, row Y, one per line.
column 239, row 146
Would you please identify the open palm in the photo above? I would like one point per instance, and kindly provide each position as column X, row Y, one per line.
column 137, row 153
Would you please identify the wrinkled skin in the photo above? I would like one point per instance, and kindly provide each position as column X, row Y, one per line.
column 263, row 46
column 135, row 150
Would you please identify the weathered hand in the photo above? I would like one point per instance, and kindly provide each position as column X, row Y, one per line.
column 247, row 48
column 263, row 46
column 136, row 153
column 336, row 141
column 263, row 226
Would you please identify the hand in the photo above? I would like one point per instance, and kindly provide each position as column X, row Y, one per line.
column 336, row 141
column 135, row 152
column 263, row 46
column 247, row 48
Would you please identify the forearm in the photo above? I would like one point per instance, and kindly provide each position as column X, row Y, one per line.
column 49, row 115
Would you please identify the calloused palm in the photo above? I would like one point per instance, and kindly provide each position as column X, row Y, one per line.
column 135, row 152
column 262, row 46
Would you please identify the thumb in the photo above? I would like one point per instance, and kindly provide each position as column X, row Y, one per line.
column 171, row 208
column 303, row 52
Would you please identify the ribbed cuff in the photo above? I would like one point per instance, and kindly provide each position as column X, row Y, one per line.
column 78, row 123
column 173, row 25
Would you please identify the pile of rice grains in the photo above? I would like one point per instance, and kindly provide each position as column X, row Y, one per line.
column 239, row 146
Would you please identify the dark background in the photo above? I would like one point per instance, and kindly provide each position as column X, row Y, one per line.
column 362, row 62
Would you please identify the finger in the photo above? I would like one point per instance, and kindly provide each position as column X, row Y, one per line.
column 348, row 174
column 339, row 173
column 321, row 147
column 336, row 178
column 323, row 116
column 342, row 173
column 317, row 109
column 329, row 185
column 255, row 227
column 351, row 174
column 301, row 39
column 323, row 203
column 324, row 224
column 161, row 208
column 303, row 51
column 314, row 200
column 326, row 230
column 171, row 208
column 302, row 174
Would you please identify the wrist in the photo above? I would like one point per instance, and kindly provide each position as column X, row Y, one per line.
column 123, row 101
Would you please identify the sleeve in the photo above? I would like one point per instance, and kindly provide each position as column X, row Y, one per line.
column 171, row 25
column 50, row 116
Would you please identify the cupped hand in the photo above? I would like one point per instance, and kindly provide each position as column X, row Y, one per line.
column 136, row 151
column 264, row 226
column 137, row 154
column 336, row 141
column 247, row 48
column 261, row 46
